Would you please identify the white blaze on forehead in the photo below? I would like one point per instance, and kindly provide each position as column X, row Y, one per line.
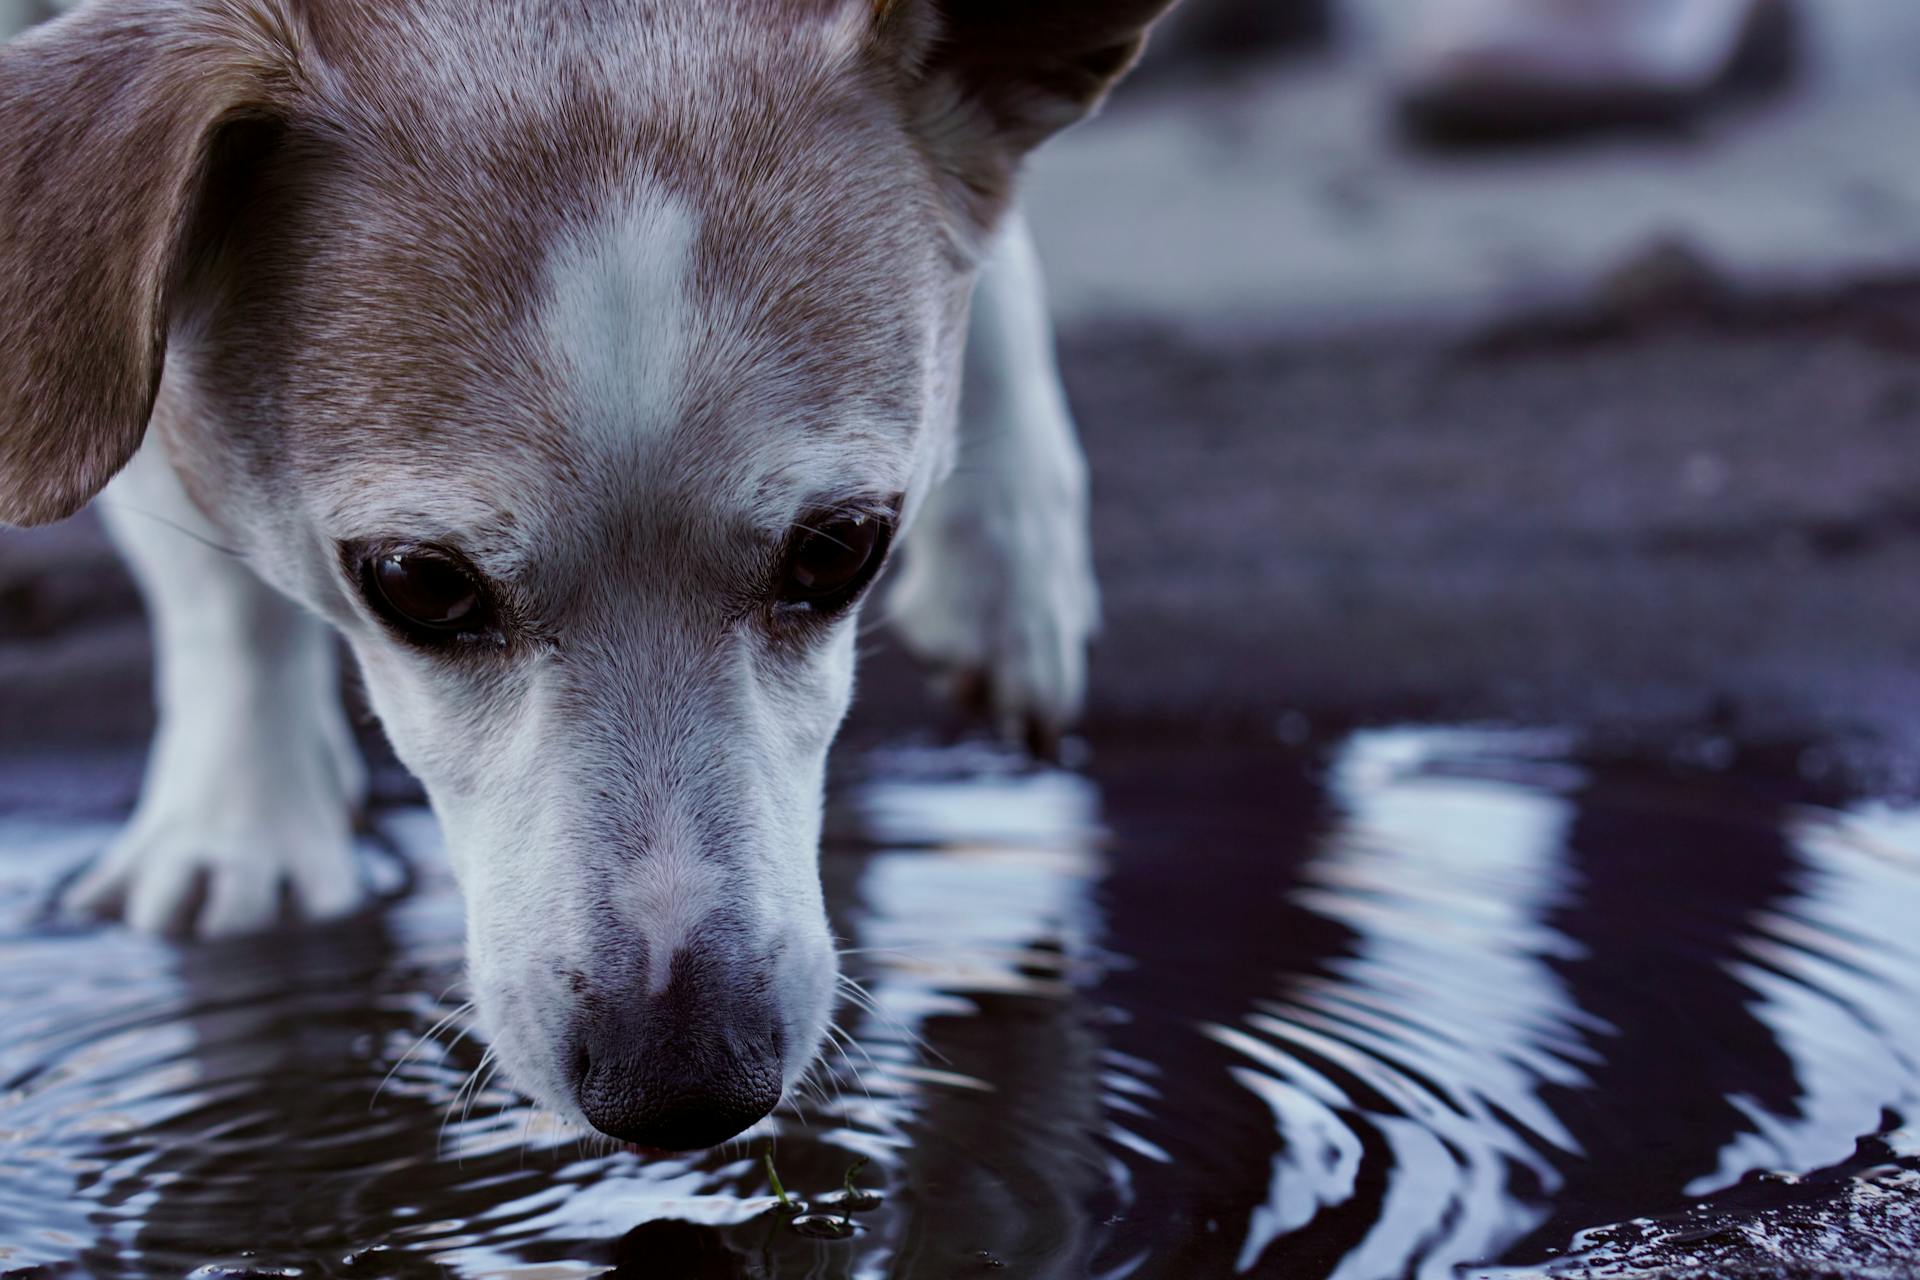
column 619, row 319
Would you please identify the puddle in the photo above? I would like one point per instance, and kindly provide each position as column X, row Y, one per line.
column 1436, row 998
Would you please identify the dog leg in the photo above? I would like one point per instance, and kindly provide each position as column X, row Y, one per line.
column 17, row 15
column 997, row 591
column 254, row 775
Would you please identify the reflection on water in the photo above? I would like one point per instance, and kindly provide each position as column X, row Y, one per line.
column 1431, row 1037
column 1437, row 998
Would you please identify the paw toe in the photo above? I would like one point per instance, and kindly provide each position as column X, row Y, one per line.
column 239, row 904
column 162, row 898
column 186, row 891
column 99, row 890
column 329, row 890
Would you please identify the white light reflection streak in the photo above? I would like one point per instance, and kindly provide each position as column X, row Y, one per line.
column 1837, row 979
column 983, row 884
column 1445, row 1015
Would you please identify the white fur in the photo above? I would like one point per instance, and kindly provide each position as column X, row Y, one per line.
column 606, row 797
column 665, row 896
column 651, row 756
column 254, row 774
column 617, row 318
column 999, row 580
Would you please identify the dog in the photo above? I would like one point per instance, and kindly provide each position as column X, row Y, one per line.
column 580, row 362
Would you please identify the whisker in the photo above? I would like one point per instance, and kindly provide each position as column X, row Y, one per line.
column 865, row 999
column 470, row 1088
column 526, row 1133
column 174, row 525
column 853, row 1041
column 841, row 1040
column 822, row 533
column 799, row 1112
column 422, row 1040
column 491, row 1066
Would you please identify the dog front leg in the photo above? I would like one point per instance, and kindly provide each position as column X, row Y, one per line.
column 254, row 776
column 17, row 15
column 998, row 591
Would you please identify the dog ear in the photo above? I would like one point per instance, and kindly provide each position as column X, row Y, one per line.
column 989, row 80
column 109, row 122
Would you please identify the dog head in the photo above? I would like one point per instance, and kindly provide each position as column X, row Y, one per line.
column 581, row 363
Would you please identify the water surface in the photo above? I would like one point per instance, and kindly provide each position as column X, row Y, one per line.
column 1426, row 999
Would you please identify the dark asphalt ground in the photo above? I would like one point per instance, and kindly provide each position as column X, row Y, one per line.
column 1681, row 519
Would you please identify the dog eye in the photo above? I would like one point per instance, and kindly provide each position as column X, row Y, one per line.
column 830, row 562
column 429, row 596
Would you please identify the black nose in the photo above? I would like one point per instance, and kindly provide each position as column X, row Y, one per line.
column 681, row 1069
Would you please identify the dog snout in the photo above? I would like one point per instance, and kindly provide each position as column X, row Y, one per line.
column 680, row 1069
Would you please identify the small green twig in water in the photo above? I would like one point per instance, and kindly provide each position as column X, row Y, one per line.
column 851, row 1195
column 779, row 1191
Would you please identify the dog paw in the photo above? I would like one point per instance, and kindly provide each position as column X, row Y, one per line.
column 179, row 882
column 221, row 852
column 998, row 598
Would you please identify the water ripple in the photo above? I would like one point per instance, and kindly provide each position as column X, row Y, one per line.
column 1438, row 998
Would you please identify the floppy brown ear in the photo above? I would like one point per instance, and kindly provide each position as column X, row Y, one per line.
column 992, row 79
column 108, row 119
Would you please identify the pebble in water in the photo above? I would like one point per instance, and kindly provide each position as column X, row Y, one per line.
column 823, row 1226
column 854, row 1201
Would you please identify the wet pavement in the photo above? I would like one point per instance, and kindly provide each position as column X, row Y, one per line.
column 1405, row 1001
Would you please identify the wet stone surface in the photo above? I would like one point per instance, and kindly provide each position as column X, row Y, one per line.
column 1395, row 1003
column 1847, row 1222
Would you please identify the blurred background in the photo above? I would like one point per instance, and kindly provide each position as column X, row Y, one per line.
column 1538, row 359
column 1545, row 367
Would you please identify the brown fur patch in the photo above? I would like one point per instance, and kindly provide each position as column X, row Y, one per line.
column 378, row 304
column 108, row 118
column 987, row 81
column 362, row 293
